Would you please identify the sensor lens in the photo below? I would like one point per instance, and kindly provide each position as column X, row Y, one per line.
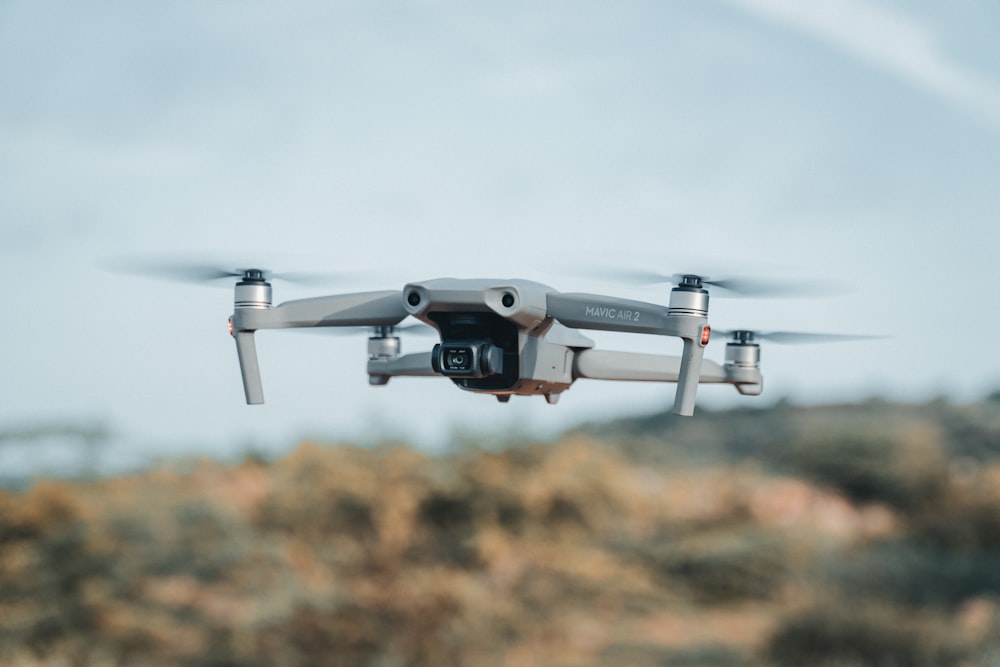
column 457, row 359
column 507, row 300
column 413, row 298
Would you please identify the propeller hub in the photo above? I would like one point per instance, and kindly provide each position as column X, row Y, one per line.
column 253, row 276
column 690, row 281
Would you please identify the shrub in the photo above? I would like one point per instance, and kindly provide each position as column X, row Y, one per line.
column 45, row 507
column 446, row 524
column 913, row 573
column 901, row 470
column 722, row 568
column 859, row 635
column 646, row 655
column 962, row 524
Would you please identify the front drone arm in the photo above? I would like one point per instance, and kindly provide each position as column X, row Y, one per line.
column 363, row 309
column 253, row 311
column 686, row 318
column 603, row 313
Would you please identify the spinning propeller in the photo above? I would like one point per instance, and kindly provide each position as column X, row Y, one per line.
column 209, row 273
column 733, row 286
column 415, row 329
column 750, row 337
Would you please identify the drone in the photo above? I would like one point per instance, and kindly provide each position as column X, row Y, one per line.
column 515, row 337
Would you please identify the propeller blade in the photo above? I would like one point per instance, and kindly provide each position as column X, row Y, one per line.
column 794, row 337
column 734, row 286
column 791, row 337
column 769, row 288
column 213, row 272
column 415, row 329
column 309, row 277
column 188, row 272
column 635, row 276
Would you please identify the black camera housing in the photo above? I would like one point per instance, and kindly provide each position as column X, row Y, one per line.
column 467, row 359
column 488, row 343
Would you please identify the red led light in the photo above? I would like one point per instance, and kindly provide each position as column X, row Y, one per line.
column 706, row 333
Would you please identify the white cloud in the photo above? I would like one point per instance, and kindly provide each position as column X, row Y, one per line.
column 891, row 41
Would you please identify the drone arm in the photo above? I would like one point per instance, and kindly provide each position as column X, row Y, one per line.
column 246, row 350
column 363, row 309
column 604, row 313
column 417, row 364
column 592, row 311
column 638, row 367
column 383, row 308
column 692, row 364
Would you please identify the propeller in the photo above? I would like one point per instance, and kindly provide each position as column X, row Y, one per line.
column 415, row 329
column 736, row 286
column 206, row 272
column 747, row 336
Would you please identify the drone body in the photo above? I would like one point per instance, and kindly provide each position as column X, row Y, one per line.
column 507, row 337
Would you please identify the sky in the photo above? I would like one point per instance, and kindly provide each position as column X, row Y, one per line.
column 400, row 141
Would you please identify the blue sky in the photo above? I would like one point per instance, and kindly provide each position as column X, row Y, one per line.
column 410, row 140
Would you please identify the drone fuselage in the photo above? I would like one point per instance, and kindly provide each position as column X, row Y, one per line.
column 531, row 353
column 503, row 337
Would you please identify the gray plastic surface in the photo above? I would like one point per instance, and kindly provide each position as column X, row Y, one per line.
column 593, row 311
column 246, row 350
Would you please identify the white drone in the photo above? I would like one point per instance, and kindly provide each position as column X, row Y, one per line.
column 514, row 337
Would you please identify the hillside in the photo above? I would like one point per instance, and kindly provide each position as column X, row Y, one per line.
column 841, row 535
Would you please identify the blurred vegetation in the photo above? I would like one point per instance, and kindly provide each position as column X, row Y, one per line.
column 84, row 442
column 842, row 535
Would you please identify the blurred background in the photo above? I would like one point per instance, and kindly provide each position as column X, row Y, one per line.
column 852, row 507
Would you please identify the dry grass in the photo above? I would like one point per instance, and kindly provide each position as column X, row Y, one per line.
column 571, row 553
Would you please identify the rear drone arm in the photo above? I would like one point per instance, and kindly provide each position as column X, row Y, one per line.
column 639, row 367
column 418, row 364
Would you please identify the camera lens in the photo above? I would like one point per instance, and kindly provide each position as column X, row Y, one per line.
column 413, row 298
column 507, row 300
column 458, row 359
